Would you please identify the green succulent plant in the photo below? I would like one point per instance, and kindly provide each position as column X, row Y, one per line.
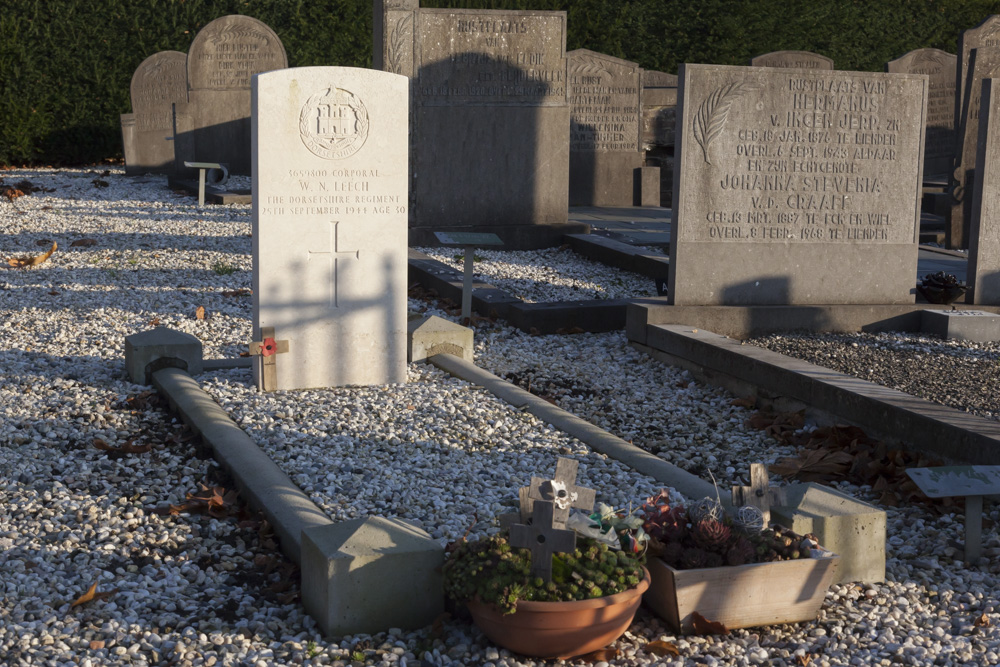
column 493, row 572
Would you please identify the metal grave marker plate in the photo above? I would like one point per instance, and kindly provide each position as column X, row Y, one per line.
column 467, row 238
column 948, row 481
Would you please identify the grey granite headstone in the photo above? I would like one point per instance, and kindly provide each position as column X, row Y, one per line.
column 214, row 125
column 329, row 224
column 659, row 119
column 653, row 79
column 985, row 34
column 983, row 275
column 792, row 186
column 147, row 133
column 939, row 66
column 604, row 147
column 984, row 63
column 490, row 119
column 793, row 60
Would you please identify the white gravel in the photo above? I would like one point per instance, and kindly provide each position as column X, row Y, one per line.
column 194, row 590
column 550, row 274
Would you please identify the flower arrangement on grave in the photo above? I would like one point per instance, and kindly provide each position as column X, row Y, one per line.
column 547, row 552
column 702, row 535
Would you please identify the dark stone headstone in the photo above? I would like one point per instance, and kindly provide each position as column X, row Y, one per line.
column 659, row 118
column 793, row 60
column 490, row 119
column 939, row 66
column 983, row 275
column 147, row 133
column 792, row 186
column 604, row 146
column 214, row 125
column 986, row 33
column 984, row 63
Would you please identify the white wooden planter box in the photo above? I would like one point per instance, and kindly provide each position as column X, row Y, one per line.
column 742, row 596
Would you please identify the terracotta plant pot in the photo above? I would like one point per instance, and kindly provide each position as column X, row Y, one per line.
column 560, row 629
column 741, row 596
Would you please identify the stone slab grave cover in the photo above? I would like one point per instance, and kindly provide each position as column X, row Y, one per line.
column 984, row 63
column 329, row 224
column 793, row 60
column 214, row 124
column 796, row 187
column 983, row 275
column 158, row 83
column 605, row 96
column 490, row 119
column 939, row 66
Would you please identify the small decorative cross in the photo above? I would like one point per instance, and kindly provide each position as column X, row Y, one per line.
column 543, row 538
column 562, row 491
column 266, row 349
column 758, row 494
column 334, row 255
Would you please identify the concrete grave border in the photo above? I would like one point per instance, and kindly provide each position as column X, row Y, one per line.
column 786, row 383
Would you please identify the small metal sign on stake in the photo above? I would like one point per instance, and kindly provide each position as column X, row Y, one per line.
column 220, row 174
column 543, row 538
column 266, row 349
column 972, row 482
column 469, row 241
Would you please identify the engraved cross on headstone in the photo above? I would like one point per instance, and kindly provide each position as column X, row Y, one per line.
column 334, row 255
column 267, row 348
column 542, row 538
column 758, row 494
column 562, row 491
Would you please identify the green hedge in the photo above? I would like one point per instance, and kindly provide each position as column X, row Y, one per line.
column 66, row 64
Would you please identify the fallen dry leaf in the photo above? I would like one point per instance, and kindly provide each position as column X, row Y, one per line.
column 83, row 243
column 199, row 313
column 743, row 403
column 127, row 448
column 600, row 655
column 96, row 645
column 661, row 648
column 804, row 660
column 243, row 291
column 703, row 626
column 31, row 260
column 154, row 322
column 982, row 622
column 53, row 293
column 92, row 595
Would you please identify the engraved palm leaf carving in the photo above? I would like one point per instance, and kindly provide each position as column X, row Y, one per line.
column 713, row 112
column 588, row 65
column 397, row 40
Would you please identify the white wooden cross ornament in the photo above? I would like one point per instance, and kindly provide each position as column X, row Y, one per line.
column 758, row 494
column 542, row 538
column 562, row 491
column 266, row 349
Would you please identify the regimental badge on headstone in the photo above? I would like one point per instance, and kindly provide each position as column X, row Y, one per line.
column 333, row 123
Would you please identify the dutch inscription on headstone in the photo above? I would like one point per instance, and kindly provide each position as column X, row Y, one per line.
column 214, row 125
column 490, row 140
column 158, row 83
column 983, row 275
column 986, row 34
column 604, row 148
column 939, row 66
column 793, row 186
column 793, row 60
column 984, row 63
column 329, row 224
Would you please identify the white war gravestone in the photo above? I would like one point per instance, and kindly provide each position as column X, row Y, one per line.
column 796, row 186
column 329, row 226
